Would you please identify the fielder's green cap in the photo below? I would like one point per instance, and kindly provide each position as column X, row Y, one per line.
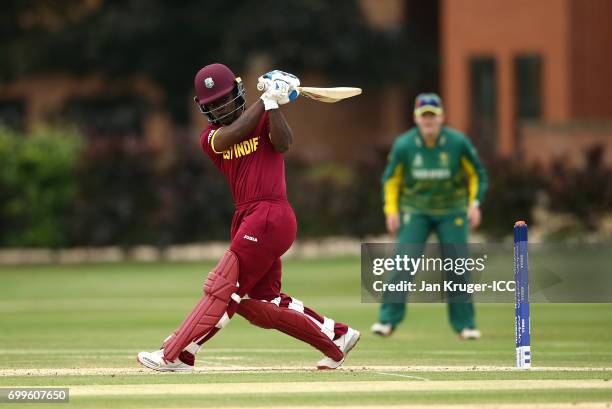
column 428, row 102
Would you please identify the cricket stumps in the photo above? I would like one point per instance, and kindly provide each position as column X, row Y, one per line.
column 521, row 279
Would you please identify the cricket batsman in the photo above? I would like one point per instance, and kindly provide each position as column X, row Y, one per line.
column 434, row 181
column 247, row 146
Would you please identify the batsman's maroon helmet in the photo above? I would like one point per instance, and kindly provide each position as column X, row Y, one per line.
column 214, row 82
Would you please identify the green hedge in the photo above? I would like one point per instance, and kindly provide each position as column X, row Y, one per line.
column 57, row 190
column 512, row 194
column 118, row 200
column 37, row 186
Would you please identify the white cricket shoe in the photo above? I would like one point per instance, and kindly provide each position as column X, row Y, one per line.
column 346, row 342
column 155, row 360
column 384, row 330
column 470, row 334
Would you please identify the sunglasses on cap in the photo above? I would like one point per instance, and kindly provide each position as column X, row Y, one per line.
column 428, row 102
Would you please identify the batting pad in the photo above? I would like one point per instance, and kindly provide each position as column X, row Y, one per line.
column 290, row 321
column 220, row 286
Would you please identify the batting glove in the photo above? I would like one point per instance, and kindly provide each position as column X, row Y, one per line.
column 277, row 93
column 290, row 79
column 265, row 81
column 268, row 101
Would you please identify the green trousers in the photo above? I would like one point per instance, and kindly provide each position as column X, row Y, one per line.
column 450, row 229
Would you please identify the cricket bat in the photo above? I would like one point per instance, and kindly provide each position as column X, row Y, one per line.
column 329, row 95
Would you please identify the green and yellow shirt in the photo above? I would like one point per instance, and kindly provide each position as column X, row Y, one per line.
column 434, row 180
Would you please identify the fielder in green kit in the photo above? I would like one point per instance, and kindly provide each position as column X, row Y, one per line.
column 434, row 181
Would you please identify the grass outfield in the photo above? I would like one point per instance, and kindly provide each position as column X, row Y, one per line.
column 81, row 326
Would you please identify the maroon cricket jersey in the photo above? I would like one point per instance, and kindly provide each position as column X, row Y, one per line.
column 253, row 169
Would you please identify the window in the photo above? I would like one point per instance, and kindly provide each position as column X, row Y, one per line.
column 483, row 103
column 528, row 86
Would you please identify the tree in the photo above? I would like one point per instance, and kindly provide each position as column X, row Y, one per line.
column 169, row 41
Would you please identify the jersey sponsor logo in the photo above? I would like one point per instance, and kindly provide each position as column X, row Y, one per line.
column 443, row 157
column 427, row 174
column 418, row 160
column 406, row 218
column 242, row 148
column 251, row 238
column 210, row 134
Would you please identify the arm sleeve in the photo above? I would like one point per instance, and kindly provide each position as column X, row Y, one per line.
column 207, row 139
column 211, row 141
column 392, row 180
column 476, row 174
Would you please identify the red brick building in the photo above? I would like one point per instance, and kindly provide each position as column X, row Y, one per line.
column 517, row 75
column 528, row 75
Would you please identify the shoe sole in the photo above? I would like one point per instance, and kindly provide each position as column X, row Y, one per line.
column 382, row 333
column 473, row 337
column 468, row 338
column 158, row 369
column 348, row 349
